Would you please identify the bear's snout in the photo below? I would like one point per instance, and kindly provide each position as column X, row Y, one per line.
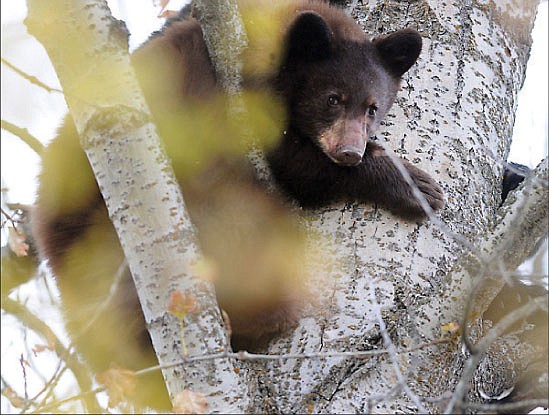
column 348, row 155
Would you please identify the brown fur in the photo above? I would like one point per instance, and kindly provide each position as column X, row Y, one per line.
column 248, row 234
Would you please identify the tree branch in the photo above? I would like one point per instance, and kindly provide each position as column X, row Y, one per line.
column 115, row 129
column 25, row 136
column 522, row 221
column 32, row 79
column 225, row 39
column 393, row 353
column 28, row 319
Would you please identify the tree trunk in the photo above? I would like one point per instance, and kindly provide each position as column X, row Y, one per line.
column 396, row 286
column 139, row 188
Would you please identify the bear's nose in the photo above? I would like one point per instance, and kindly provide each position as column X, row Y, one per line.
column 348, row 156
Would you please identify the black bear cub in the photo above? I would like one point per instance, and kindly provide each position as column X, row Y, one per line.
column 320, row 89
column 337, row 91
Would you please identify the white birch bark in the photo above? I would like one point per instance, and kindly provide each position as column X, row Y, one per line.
column 89, row 51
column 225, row 39
column 453, row 118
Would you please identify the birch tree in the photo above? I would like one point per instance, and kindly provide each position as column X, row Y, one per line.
column 400, row 286
column 385, row 338
column 133, row 173
column 397, row 325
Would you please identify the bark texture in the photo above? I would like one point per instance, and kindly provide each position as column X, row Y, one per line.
column 139, row 188
column 393, row 285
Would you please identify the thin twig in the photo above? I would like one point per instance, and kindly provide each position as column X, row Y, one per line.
column 119, row 276
column 48, row 386
column 243, row 355
column 478, row 281
column 420, row 198
column 248, row 357
column 9, row 218
column 25, row 136
column 83, row 396
column 392, row 351
column 11, row 395
column 32, row 79
column 22, row 363
column 29, row 320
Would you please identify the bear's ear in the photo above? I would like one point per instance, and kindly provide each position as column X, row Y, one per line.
column 399, row 50
column 309, row 39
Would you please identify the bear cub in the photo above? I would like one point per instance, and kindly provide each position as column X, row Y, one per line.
column 333, row 87
column 337, row 91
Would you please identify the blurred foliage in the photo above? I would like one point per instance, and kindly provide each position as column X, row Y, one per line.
column 16, row 270
column 19, row 257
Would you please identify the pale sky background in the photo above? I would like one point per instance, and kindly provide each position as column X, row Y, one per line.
column 31, row 107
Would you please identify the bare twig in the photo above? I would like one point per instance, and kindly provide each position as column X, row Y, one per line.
column 271, row 357
column 49, row 386
column 32, row 79
column 120, row 274
column 11, row 395
column 245, row 356
column 29, row 320
column 9, row 218
column 478, row 281
column 90, row 394
column 391, row 350
column 466, row 244
column 24, row 370
column 25, row 136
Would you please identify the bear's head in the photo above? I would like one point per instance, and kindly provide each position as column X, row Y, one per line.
column 337, row 90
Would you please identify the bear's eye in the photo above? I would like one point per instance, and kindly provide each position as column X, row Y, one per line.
column 334, row 100
column 372, row 109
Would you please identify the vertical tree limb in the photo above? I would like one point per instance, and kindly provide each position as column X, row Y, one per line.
column 139, row 188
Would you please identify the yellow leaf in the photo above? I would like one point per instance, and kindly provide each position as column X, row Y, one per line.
column 187, row 402
column 120, row 384
column 16, row 241
column 12, row 396
column 181, row 304
column 451, row 328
